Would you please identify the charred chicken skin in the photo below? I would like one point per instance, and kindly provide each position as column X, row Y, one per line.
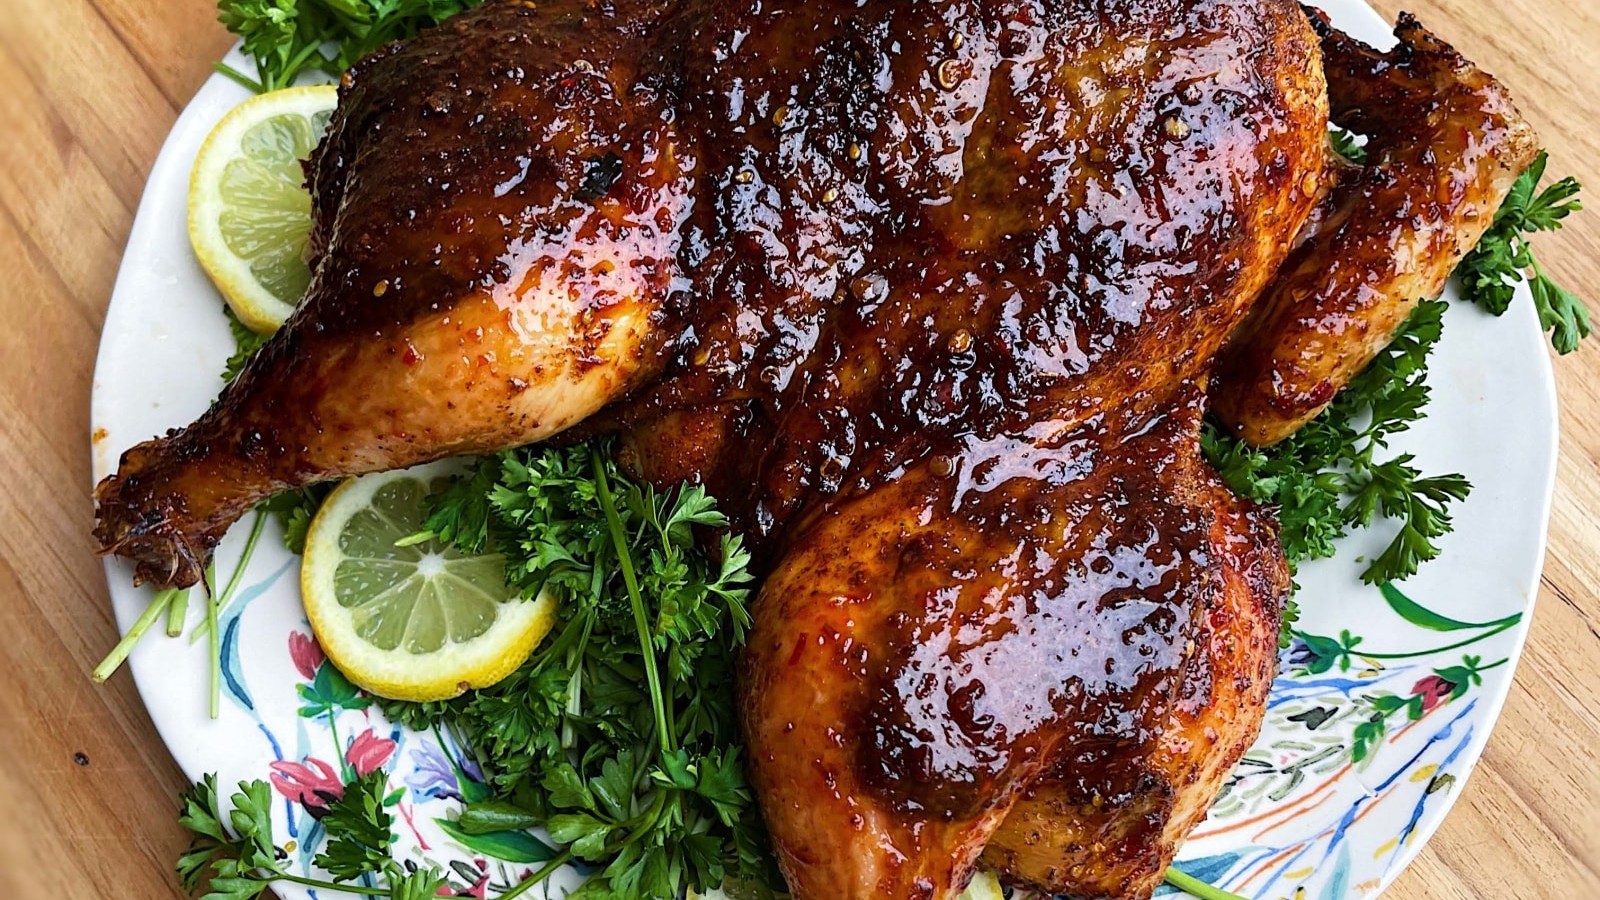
column 928, row 294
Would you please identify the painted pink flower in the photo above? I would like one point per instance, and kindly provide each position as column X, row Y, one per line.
column 305, row 652
column 1434, row 690
column 368, row 752
column 313, row 788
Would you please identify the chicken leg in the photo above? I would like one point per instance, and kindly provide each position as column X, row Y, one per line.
column 498, row 210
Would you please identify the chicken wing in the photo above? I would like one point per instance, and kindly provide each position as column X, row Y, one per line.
column 1446, row 145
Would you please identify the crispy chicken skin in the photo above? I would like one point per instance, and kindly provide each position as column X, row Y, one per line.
column 1446, row 144
column 927, row 293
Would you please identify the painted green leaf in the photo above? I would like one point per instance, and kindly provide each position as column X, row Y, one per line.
column 1421, row 616
column 1387, row 702
column 510, row 846
column 1414, row 708
column 1365, row 736
column 329, row 691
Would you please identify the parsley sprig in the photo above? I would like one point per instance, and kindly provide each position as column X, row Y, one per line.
column 1504, row 258
column 288, row 37
column 619, row 735
column 234, row 857
column 1329, row 477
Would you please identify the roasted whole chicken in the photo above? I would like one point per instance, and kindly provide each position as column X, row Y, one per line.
column 933, row 296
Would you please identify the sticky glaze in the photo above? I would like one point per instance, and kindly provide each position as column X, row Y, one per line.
column 921, row 290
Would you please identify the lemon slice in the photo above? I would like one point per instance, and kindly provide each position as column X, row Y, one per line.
column 419, row 622
column 249, row 211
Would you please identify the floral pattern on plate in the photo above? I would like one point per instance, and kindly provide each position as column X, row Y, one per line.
column 1348, row 731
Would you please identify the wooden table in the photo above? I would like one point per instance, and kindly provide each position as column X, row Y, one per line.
column 88, row 90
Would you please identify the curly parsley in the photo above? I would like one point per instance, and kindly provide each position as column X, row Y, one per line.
column 619, row 735
column 1347, row 144
column 1327, row 478
column 1504, row 258
column 288, row 37
column 234, row 857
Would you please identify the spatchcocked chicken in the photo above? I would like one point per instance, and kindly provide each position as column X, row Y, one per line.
column 930, row 296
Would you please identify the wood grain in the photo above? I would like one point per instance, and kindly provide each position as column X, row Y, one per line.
column 88, row 90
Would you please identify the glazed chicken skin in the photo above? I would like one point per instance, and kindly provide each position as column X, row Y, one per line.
column 927, row 293
column 951, row 665
column 1446, row 145
column 1105, row 818
column 497, row 214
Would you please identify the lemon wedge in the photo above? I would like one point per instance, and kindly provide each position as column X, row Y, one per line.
column 249, row 210
column 418, row 622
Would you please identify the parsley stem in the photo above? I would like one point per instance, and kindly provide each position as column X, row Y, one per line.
column 646, row 645
column 256, row 527
column 244, row 557
column 544, row 872
column 152, row 611
column 1185, row 882
column 238, row 77
column 177, row 612
column 345, row 888
column 213, row 643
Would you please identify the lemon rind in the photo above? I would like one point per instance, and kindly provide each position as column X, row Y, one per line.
column 255, row 306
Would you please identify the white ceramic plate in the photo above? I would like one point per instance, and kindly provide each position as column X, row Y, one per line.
column 1365, row 745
